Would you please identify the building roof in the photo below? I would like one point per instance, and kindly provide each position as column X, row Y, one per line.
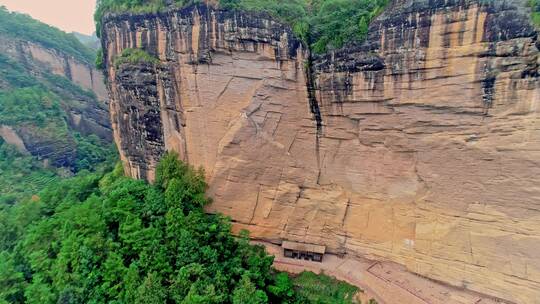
column 304, row 247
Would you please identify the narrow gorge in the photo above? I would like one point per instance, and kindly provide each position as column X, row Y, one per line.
column 419, row 146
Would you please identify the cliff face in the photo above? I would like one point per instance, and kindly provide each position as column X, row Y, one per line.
column 420, row 146
column 85, row 114
column 220, row 69
column 39, row 59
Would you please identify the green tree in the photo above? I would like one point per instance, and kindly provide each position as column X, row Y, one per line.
column 11, row 281
column 247, row 293
column 283, row 287
column 109, row 239
column 151, row 291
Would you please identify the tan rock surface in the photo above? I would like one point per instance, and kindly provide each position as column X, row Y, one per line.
column 429, row 150
column 11, row 137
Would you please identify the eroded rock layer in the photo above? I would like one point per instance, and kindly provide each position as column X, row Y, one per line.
column 421, row 146
column 38, row 59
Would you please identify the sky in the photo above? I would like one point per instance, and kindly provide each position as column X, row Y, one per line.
column 68, row 15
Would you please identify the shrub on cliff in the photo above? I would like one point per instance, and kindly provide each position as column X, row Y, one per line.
column 324, row 24
column 134, row 56
column 132, row 6
column 535, row 7
column 334, row 23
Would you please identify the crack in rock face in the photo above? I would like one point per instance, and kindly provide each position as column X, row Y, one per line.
column 418, row 146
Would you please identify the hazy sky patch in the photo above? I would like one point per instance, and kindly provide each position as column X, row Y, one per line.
column 68, row 15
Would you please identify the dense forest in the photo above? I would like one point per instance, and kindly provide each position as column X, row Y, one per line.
column 323, row 24
column 104, row 238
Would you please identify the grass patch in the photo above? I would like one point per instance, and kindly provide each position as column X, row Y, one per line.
column 323, row 289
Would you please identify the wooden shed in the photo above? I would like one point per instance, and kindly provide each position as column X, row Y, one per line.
column 303, row 251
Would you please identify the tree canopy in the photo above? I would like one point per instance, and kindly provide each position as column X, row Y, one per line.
column 105, row 238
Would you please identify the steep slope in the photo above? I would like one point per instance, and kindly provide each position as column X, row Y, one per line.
column 90, row 41
column 419, row 146
column 52, row 104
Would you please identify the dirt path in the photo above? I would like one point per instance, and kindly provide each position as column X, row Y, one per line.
column 386, row 282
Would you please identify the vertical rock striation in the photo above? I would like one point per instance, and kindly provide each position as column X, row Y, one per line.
column 222, row 74
column 420, row 146
column 432, row 126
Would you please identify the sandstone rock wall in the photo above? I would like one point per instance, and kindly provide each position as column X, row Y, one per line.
column 11, row 137
column 420, row 146
column 219, row 69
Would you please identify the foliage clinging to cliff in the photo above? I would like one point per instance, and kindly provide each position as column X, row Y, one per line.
column 36, row 107
column 132, row 6
column 335, row 23
column 535, row 7
column 134, row 56
column 324, row 24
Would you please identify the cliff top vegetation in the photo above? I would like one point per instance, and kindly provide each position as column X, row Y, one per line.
column 21, row 26
column 323, row 24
